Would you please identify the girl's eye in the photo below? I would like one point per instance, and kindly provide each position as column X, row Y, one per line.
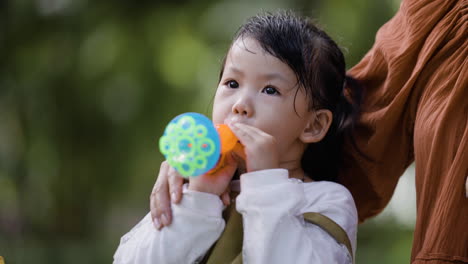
column 232, row 84
column 270, row 90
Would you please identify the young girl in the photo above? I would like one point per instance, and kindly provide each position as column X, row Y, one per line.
column 283, row 92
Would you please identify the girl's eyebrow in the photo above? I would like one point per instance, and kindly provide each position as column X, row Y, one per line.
column 267, row 76
column 235, row 69
column 277, row 76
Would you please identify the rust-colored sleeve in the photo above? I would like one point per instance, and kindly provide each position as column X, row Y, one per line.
column 392, row 73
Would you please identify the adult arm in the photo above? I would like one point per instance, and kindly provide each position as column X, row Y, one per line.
column 410, row 55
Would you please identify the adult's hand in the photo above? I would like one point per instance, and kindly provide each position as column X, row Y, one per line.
column 167, row 190
column 168, row 187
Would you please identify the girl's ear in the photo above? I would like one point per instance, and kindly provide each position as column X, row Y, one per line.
column 317, row 127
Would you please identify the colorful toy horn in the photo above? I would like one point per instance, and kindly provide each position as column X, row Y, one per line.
column 194, row 146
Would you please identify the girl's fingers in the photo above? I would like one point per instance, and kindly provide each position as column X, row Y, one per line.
column 248, row 134
column 243, row 133
column 175, row 185
column 159, row 199
column 260, row 147
column 251, row 130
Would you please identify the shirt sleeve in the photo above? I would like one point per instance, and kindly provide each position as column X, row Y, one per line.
column 274, row 228
column 394, row 74
column 197, row 224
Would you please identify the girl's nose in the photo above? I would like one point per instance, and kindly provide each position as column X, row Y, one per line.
column 242, row 107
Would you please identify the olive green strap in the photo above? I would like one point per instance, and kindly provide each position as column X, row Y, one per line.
column 228, row 248
column 331, row 228
column 238, row 259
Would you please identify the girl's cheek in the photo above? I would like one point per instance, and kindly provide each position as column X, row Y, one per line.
column 219, row 112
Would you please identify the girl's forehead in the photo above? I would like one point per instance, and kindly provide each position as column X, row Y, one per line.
column 247, row 54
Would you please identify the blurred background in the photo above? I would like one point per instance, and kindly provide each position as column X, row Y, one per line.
column 86, row 89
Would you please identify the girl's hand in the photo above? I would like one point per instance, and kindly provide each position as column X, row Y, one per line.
column 167, row 189
column 218, row 182
column 260, row 148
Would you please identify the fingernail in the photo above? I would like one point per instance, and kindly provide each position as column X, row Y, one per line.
column 164, row 219
column 156, row 223
column 173, row 197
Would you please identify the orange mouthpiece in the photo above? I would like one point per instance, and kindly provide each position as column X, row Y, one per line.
column 229, row 143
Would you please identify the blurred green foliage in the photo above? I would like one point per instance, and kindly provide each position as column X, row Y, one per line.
column 86, row 88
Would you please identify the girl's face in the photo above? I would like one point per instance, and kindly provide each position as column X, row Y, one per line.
column 258, row 89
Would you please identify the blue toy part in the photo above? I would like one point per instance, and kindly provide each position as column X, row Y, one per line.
column 191, row 144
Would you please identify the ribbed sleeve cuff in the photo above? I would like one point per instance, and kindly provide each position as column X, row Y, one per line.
column 206, row 203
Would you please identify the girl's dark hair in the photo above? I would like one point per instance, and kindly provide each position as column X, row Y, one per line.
column 320, row 68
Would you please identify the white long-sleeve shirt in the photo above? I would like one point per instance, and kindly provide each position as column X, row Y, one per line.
column 275, row 231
